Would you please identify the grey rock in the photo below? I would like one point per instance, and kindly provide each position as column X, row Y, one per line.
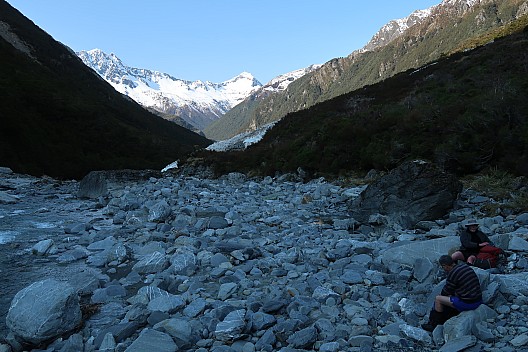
column 286, row 257
column 261, row 321
column 227, row 290
column 217, row 222
column 326, row 329
column 153, row 263
column 459, row 344
column 105, row 244
column 518, row 244
column 414, row 191
column 146, row 294
column 322, row 293
column 183, row 263
column 329, row 347
column 218, row 259
column 44, row 310
column 93, row 186
column 156, row 316
column 42, row 247
column 483, row 333
column 513, row 284
column 407, row 254
column 73, row 255
column 360, row 340
column 108, row 315
column 166, row 303
column 74, row 343
column 119, row 332
column 159, row 212
column 108, row 344
column 152, row 340
column 522, row 219
column 351, row 277
column 304, row 338
column 180, row 330
column 230, row 328
column 266, row 341
column 415, row 333
column 520, row 340
column 422, row 269
column 464, row 323
column 108, row 294
column 195, row 307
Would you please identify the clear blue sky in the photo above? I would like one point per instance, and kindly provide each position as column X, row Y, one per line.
column 215, row 40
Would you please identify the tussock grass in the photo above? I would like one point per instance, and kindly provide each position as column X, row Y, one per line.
column 502, row 186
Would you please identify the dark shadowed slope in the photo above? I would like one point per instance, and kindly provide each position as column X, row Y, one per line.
column 58, row 117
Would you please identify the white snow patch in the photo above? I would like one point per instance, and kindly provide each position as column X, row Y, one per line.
column 173, row 165
column 241, row 141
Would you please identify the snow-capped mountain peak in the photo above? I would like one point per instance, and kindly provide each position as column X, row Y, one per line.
column 395, row 28
column 197, row 102
column 282, row 81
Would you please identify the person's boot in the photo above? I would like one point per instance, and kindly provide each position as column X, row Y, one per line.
column 435, row 318
column 447, row 314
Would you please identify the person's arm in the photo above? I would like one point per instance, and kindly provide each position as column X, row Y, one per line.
column 484, row 239
column 450, row 285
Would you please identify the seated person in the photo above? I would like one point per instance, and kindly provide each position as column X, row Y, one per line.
column 471, row 239
column 461, row 292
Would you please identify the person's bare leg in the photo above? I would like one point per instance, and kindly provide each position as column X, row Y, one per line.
column 441, row 301
column 457, row 256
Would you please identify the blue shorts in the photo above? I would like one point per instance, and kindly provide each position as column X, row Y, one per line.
column 462, row 306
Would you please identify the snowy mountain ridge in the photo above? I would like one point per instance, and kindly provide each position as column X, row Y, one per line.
column 197, row 102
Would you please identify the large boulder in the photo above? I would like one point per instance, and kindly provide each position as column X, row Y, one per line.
column 464, row 323
column 93, row 185
column 415, row 191
column 408, row 254
column 44, row 310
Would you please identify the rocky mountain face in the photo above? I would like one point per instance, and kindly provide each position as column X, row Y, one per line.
column 196, row 102
column 395, row 28
column 412, row 42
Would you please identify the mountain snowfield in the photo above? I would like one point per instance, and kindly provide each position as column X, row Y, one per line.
column 197, row 102
column 394, row 28
column 281, row 82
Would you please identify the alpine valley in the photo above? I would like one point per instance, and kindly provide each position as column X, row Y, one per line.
column 123, row 231
column 243, row 105
column 445, row 84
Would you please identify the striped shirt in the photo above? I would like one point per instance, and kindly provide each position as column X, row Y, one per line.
column 463, row 283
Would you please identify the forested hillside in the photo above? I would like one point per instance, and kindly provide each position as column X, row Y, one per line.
column 466, row 112
column 452, row 26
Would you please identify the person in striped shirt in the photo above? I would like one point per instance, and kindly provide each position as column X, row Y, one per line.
column 461, row 292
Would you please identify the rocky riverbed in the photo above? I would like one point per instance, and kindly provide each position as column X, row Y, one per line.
column 174, row 262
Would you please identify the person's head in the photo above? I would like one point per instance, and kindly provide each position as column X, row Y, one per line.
column 446, row 262
column 472, row 225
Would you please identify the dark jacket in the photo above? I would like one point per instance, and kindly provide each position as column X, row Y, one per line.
column 470, row 241
column 463, row 283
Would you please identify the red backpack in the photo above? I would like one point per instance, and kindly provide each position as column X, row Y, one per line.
column 489, row 257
